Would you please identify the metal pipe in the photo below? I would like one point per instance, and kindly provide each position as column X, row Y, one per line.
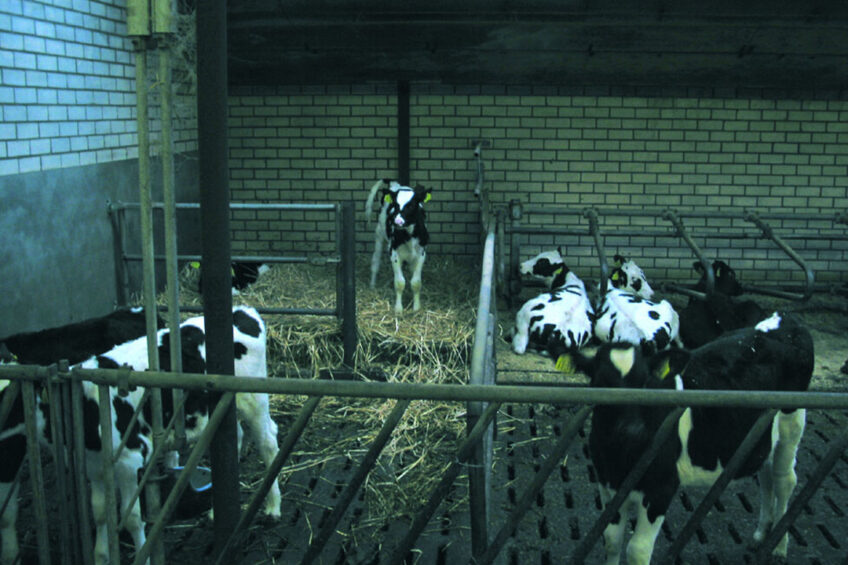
column 762, row 424
column 36, row 473
column 403, row 92
column 169, row 199
column 478, row 472
column 213, row 154
column 237, row 206
column 809, row 276
column 440, row 491
column 271, row 474
column 465, row 392
column 216, row 419
column 638, row 470
column 80, row 473
column 263, row 310
column 657, row 212
column 348, row 284
column 59, row 452
column 591, row 214
column 672, row 217
column 352, row 488
column 107, row 477
column 572, row 428
column 247, row 258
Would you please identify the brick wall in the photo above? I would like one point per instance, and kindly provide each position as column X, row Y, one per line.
column 67, row 87
column 640, row 151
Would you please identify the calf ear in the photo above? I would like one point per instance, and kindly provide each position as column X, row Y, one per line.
column 669, row 362
column 388, row 196
column 619, row 259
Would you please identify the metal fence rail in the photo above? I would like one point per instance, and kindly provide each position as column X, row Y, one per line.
column 493, row 395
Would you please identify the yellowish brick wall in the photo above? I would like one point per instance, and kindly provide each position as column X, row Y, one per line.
column 549, row 147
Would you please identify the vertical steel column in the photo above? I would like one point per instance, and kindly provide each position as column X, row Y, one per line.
column 80, row 473
column 107, row 477
column 215, row 230
column 348, row 268
column 403, row 131
column 169, row 199
column 148, row 252
column 36, row 474
column 479, row 474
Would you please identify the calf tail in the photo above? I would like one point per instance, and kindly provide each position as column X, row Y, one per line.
column 369, row 204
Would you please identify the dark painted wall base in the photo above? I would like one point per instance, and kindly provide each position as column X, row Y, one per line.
column 57, row 260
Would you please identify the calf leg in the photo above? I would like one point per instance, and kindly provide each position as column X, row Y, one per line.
column 8, row 534
column 641, row 545
column 614, row 532
column 777, row 477
column 400, row 282
column 415, row 282
column 254, row 409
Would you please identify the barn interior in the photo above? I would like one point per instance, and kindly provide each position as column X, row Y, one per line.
column 550, row 109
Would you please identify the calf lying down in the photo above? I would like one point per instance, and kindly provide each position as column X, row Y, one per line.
column 562, row 316
column 775, row 355
column 249, row 339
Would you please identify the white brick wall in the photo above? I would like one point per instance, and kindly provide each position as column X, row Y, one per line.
column 67, row 86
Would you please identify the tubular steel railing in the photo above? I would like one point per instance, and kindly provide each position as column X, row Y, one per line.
column 470, row 393
column 517, row 228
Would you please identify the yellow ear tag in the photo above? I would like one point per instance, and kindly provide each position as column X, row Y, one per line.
column 428, row 197
column 232, row 272
column 558, row 271
column 663, row 370
column 387, row 199
column 614, row 276
column 195, row 264
column 718, row 272
column 565, row 364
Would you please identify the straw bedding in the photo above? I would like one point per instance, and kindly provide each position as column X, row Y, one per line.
column 430, row 346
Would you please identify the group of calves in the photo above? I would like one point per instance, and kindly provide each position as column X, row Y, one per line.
column 629, row 341
column 113, row 341
column 643, row 344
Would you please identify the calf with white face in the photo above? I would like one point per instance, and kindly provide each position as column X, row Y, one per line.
column 401, row 225
column 562, row 316
column 775, row 355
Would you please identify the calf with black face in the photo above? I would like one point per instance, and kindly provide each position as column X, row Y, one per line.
column 775, row 355
column 401, row 225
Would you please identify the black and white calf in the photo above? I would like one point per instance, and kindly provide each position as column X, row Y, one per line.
column 562, row 316
column 775, row 355
column 704, row 320
column 75, row 342
column 249, row 339
column 628, row 276
column 401, row 225
column 627, row 317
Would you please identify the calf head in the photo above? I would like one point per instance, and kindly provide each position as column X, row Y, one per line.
column 725, row 278
column 622, row 365
column 627, row 275
column 405, row 207
column 547, row 266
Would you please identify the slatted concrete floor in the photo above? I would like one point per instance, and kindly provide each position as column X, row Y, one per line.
column 561, row 514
